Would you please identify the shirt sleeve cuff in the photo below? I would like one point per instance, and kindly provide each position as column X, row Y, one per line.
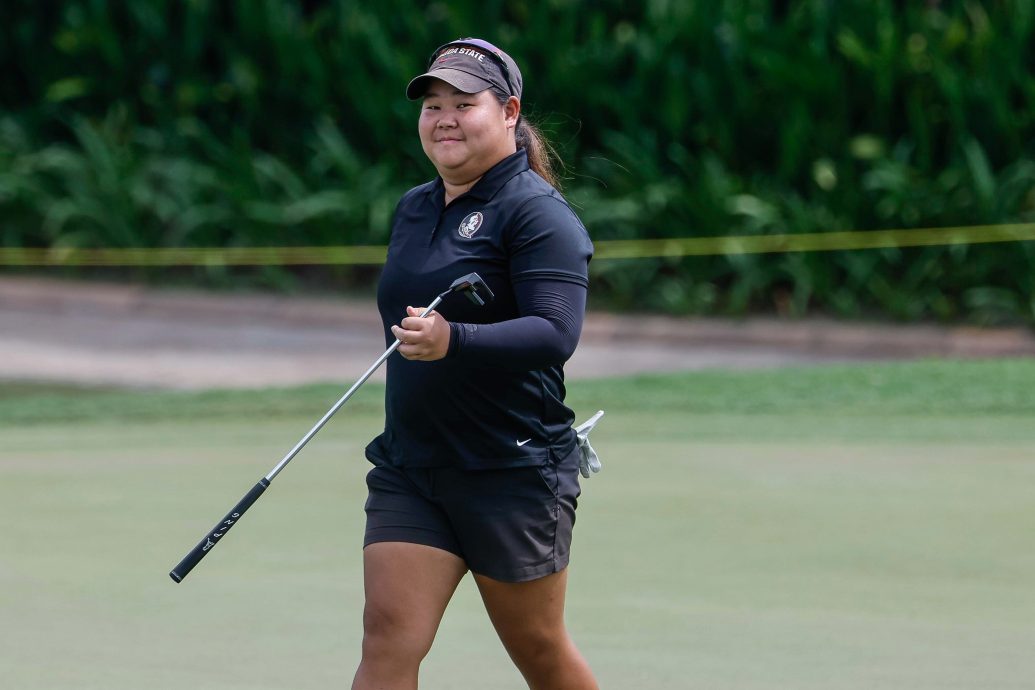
column 456, row 337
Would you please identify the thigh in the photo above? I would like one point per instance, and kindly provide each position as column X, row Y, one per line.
column 407, row 589
column 529, row 619
column 532, row 610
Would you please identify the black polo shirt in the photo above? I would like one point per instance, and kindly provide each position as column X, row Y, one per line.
column 512, row 226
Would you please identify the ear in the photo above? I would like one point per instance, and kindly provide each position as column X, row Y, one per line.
column 511, row 111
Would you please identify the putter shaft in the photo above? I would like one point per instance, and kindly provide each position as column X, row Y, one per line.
column 348, row 394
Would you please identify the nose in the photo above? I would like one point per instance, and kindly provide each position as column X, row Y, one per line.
column 446, row 119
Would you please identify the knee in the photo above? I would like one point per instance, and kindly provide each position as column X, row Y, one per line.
column 390, row 634
column 535, row 647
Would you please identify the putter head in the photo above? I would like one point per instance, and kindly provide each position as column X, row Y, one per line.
column 474, row 287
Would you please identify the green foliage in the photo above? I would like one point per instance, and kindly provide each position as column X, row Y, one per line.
column 166, row 123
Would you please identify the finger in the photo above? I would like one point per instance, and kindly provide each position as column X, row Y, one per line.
column 405, row 336
column 415, row 323
column 408, row 350
column 412, row 352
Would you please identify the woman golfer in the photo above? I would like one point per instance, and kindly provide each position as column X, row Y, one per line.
column 477, row 468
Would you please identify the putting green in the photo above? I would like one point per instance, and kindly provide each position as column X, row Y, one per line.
column 742, row 535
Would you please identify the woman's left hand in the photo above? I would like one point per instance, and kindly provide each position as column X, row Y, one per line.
column 424, row 339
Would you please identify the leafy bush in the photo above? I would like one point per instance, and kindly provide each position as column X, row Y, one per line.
column 168, row 123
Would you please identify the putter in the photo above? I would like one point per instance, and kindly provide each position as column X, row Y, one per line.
column 471, row 285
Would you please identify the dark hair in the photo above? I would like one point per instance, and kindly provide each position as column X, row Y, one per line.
column 541, row 153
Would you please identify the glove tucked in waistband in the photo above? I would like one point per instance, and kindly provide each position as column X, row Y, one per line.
column 589, row 463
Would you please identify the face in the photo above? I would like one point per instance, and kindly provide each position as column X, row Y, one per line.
column 465, row 134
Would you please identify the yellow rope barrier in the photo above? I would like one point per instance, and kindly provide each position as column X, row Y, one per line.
column 207, row 256
column 814, row 242
column 605, row 249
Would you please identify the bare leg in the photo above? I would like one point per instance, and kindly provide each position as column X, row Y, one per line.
column 407, row 589
column 529, row 618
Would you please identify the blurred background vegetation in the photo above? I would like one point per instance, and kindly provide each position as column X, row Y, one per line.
column 164, row 123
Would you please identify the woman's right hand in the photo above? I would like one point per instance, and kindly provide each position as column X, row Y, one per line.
column 423, row 339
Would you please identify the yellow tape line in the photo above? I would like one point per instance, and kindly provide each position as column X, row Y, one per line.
column 605, row 249
column 814, row 242
column 207, row 256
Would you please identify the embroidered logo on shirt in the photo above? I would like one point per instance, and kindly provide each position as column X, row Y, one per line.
column 470, row 225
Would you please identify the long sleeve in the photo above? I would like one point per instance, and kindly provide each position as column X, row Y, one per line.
column 544, row 335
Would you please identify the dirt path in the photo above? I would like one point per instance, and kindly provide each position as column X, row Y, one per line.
column 110, row 334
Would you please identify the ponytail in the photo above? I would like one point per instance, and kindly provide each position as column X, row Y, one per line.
column 541, row 153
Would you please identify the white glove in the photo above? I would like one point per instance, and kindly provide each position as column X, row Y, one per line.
column 589, row 463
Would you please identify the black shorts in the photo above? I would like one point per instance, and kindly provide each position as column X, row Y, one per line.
column 510, row 524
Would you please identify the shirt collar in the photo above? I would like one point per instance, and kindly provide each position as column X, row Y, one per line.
column 493, row 180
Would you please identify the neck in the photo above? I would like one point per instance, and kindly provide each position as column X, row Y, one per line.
column 455, row 188
column 457, row 182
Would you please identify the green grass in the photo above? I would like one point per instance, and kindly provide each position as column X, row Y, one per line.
column 933, row 387
column 837, row 527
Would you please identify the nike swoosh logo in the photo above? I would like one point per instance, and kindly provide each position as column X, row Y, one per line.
column 521, row 443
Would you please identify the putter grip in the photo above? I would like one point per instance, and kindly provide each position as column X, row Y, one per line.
column 217, row 532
